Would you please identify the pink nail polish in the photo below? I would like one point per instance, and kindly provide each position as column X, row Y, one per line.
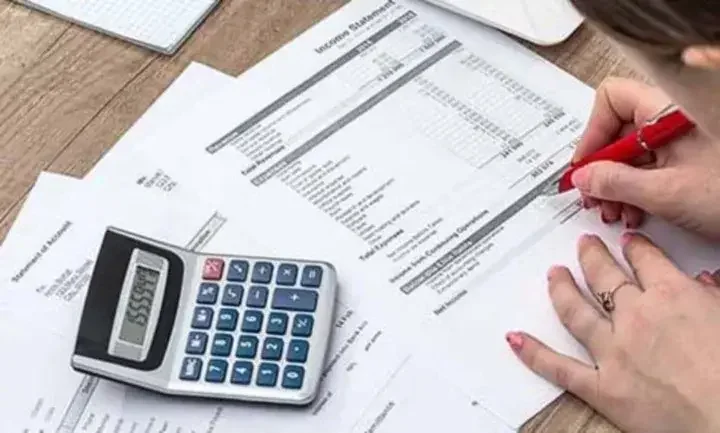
column 706, row 278
column 515, row 340
column 588, row 237
column 626, row 238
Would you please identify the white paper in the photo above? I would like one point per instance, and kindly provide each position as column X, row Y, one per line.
column 48, row 192
column 195, row 82
column 393, row 177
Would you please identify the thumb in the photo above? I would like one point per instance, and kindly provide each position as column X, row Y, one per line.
column 612, row 181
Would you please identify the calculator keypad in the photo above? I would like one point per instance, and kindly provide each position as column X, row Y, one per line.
column 254, row 334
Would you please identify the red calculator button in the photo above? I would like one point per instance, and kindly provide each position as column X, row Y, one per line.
column 213, row 269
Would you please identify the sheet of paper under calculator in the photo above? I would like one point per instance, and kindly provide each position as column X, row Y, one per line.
column 161, row 25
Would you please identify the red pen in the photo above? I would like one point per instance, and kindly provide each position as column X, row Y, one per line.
column 667, row 126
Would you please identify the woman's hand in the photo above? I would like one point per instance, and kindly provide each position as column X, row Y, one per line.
column 657, row 354
column 680, row 184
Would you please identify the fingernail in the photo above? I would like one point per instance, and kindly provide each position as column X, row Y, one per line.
column 706, row 278
column 626, row 238
column 588, row 237
column 581, row 179
column 551, row 272
column 515, row 340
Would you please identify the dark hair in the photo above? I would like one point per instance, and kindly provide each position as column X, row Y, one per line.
column 658, row 24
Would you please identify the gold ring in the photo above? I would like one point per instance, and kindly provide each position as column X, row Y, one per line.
column 607, row 299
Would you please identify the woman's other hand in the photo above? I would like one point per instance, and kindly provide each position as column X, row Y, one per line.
column 656, row 355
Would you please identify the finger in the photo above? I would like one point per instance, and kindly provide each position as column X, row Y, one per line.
column 604, row 274
column 563, row 371
column 648, row 159
column 642, row 188
column 632, row 216
column 651, row 266
column 576, row 313
column 617, row 103
column 610, row 212
column 706, row 278
column 589, row 202
column 702, row 57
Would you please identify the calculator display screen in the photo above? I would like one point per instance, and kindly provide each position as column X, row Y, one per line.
column 137, row 313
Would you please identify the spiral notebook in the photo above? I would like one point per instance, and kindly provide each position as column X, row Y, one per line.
column 160, row 25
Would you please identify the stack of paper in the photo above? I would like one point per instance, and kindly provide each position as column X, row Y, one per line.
column 404, row 145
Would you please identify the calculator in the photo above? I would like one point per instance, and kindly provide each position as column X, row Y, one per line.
column 183, row 323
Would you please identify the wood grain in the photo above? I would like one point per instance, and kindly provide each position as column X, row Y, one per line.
column 67, row 94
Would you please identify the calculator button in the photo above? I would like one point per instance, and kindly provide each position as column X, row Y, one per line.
column 277, row 323
column 202, row 318
column 222, row 345
column 213, row 269
column 216, row 371
column 196, row 344
column 208, row 293
column 298, row 351
column 262, row 272
column 257, row 296
column 311, row 276
column 227, row 319
column 247, row 347
column 190, row 369
column 267, row 374
column 242, row 373
column 293, row 377
column 287, row 275
column 272, row 349
column 252, row 321
column 302, row 325
column 232, row 296
column 238, row 270
column 294, row 300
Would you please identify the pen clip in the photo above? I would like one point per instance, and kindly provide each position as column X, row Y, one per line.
column 669, row 109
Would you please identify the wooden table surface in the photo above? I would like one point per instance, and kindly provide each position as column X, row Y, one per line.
column 67, row 94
